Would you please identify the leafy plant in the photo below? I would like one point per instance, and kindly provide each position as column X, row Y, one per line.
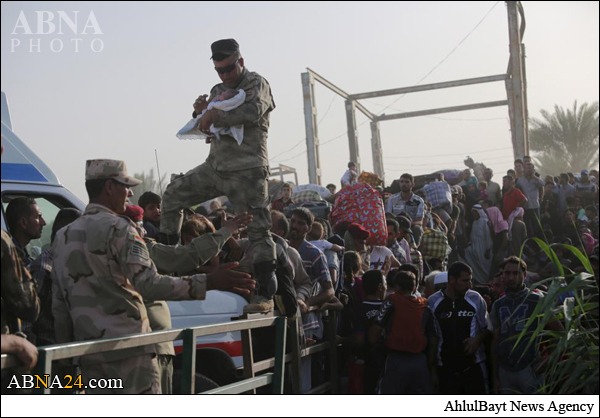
column 569, row 357
column 150, row 182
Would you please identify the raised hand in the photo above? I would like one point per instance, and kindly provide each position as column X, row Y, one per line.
column 240, row 221
column 200, row 104
column 225, row 278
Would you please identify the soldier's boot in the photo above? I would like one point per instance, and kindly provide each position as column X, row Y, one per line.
column 168, row 239
column 261, row 301
column 259, row 304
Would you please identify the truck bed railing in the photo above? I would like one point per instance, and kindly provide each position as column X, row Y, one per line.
column 270, row 371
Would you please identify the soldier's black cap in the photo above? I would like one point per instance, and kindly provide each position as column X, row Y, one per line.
column 224, row 48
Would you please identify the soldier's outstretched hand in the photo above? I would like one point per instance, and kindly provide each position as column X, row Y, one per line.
column 225, row 278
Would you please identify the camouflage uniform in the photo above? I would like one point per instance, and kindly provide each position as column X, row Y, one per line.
column 238, row 171
column 167, row 259
column 26, row 258
column 102, row 272
column 159, row 317
column 19, row 298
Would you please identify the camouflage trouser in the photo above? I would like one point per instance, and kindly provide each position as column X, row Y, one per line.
column 246, row 189
column 139, row 376
column 165, row 371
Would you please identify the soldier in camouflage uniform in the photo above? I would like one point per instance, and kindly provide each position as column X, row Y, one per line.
column 19, row 301
column 103, row 271
column 238, row 171
column 158, row 312
column 19, row 298
column 168, row 258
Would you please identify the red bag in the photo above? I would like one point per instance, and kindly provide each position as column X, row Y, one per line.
column 362, row 204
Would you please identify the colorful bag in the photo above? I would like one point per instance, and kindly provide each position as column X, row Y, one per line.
column 438, row 193
column 323, row 191
column 362, row 204
column 306, row 196
column 370, row 178
column 434, row 244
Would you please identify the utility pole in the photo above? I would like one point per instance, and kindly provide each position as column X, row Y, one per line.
column 352, row 132
column 310, row 122
column 515, row 85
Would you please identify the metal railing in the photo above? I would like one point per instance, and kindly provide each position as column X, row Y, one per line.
column 298, row 351
column 48, row 354
column 274, row 366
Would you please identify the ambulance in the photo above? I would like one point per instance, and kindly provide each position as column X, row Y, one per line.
column 25, row 174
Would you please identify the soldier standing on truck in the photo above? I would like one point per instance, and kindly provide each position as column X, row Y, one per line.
column 238, row 170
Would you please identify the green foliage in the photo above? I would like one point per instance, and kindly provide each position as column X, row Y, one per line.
column 570, row 361
column 566, row 140
column 150, row 183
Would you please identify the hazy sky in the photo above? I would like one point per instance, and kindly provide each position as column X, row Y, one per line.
column 126, row 87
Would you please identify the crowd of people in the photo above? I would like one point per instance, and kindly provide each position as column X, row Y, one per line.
column 433, row 309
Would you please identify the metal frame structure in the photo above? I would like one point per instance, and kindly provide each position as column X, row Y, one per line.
column 515, row 90
column 282, row 170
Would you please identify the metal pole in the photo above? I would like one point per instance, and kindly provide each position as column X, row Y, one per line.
column 310, row 122
column 377, row 151
column 428, row 87
column 516, row 74
column 352, row 132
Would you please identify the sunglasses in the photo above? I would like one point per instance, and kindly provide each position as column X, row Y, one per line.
column 227, row 69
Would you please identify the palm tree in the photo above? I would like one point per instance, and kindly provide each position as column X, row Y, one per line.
column 566, row 140
column 150, row 183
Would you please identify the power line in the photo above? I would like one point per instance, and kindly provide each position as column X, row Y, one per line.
column 291, row 158
column 335, row 96
column 401, row 96
column 288, row 150
column 333, row 139
column 448, row 155
column 447, row 56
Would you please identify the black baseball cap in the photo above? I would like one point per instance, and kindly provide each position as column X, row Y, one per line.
column 224, row 48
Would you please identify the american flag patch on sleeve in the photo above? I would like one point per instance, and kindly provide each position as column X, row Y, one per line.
column 138, row 252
